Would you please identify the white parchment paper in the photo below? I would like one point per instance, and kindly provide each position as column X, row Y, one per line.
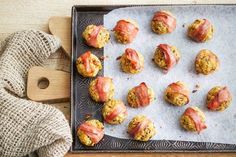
column 221, row 125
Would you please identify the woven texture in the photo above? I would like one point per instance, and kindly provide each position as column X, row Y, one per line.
column 27, row 126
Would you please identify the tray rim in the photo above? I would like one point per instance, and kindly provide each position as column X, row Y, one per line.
column 98, row 8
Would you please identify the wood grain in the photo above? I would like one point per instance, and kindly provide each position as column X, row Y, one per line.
column 55, row 84
column 61, row 27
column 34, row 14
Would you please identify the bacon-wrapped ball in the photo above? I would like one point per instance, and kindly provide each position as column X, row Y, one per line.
column 218, row 98
column 163, row 22
column 193, row 119
column 102, row 89
column 206, row 62
column 90, row 132
column 140, row 96
column 126, row 30
column 166, row 57
column 88, row 65
column 96, row 36
column 132, row 61
column 141, row 128
column 177, row 94
column 114, row 112
column 201, row 30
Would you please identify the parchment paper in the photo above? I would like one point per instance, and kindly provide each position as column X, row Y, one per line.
column 221, row 125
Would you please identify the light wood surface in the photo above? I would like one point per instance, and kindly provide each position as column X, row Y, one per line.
column 61, row 27
column 44, row 84
column 34, row 14
column 18, row 15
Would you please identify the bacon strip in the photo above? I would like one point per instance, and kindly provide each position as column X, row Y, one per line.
column 103, row 87
column 220, row 97
column 86, row 61
column 133, row 57
column 139, row 127
column 119, row 109
column 141, row 91
column 127, row 29
column 200, row 33
column 167, row 19
column 196, row 118
column 92, row 40
column 168, row 55
column 95, row 134
column 176, row 88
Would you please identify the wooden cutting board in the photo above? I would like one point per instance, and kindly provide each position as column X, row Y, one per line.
column 61, row 27
column 47, row 85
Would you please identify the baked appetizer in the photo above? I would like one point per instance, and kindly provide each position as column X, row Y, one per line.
column 166, row 57
column 201, row 30
column 96, row 36
column 126, row 30
column 88, row 65
column 132, row 61
column 101, row 89
column 114, row 111
column 140, row 96
column 193, row 119
column 90, row 132
column 206, row 62
column 177, row 94
column 141, row 128
column 163, row 22
column 218, row 98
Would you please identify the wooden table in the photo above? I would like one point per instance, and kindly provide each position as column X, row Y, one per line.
column 34, row 14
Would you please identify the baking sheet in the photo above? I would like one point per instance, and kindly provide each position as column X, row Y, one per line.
column 221, row 125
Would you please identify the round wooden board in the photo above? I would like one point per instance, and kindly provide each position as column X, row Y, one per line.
column 61, row 27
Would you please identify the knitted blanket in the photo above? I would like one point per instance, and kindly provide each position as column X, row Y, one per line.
column 27, row 126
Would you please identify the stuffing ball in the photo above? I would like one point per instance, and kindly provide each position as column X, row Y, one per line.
column 96, row 36
column 88, row 65
column 163, row 22
column 177, row 94
column 166, row 57
column 126, row 30
column 200, row 30
column 114, row 111
column 141, row 128
column 193, row 119
column 132, row 61
column 102, row 89
column 140, row 96
column 206, row 62
column 218, row 98
column 90, row 132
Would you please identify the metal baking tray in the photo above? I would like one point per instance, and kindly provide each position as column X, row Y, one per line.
column 82, row 106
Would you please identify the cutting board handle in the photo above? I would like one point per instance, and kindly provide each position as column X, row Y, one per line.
column 47, row 85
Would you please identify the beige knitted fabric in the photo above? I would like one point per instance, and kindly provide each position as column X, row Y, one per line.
column 27, row 126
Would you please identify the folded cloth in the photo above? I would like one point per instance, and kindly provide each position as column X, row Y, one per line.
column 27, row 126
